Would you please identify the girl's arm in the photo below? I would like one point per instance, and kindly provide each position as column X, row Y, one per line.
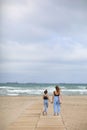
column 52, row 97
column 43, row 96
column 48, row 98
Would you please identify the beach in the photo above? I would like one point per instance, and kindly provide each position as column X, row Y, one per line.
column 25, row 113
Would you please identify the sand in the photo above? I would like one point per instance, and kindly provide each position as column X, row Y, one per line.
column 25, row 113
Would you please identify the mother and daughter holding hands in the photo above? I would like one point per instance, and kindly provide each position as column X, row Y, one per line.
column 56, row 100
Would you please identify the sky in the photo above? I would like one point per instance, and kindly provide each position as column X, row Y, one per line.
column 43, row 41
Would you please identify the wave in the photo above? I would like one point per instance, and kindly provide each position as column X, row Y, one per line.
column 75, row 92
column 82, row 87
column 13, row 94
column 40, row 92
column 39, row 89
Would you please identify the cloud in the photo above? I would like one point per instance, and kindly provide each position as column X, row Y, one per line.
column 43, row 36
column 15, row 11
column 31, row 56
column 40, row 20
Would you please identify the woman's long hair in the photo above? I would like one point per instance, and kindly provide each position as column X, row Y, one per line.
column 57, row 89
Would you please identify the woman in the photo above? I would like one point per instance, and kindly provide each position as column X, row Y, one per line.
column 56, row 100
column 45, row 98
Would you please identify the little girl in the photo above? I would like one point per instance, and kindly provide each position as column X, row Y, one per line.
column 45, row 99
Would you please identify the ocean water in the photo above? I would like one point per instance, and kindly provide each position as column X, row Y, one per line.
column 26, row 89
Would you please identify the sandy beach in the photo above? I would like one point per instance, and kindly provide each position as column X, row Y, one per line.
column 25, row 113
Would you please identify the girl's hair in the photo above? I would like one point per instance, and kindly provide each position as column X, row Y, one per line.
column 57, row 89
column 45, row 92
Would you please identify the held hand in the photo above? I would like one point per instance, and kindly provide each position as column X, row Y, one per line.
column 60, row 102
column 51, row 101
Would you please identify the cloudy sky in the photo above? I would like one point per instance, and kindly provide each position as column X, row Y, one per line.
column 43, row 41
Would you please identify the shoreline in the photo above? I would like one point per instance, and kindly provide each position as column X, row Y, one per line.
column 73, row 110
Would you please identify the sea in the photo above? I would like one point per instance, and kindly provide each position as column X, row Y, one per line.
column 28, row 89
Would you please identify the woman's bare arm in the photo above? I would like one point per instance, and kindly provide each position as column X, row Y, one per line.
column 60, row 98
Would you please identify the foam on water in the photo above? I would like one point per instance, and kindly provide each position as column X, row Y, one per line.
column 38, row 89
